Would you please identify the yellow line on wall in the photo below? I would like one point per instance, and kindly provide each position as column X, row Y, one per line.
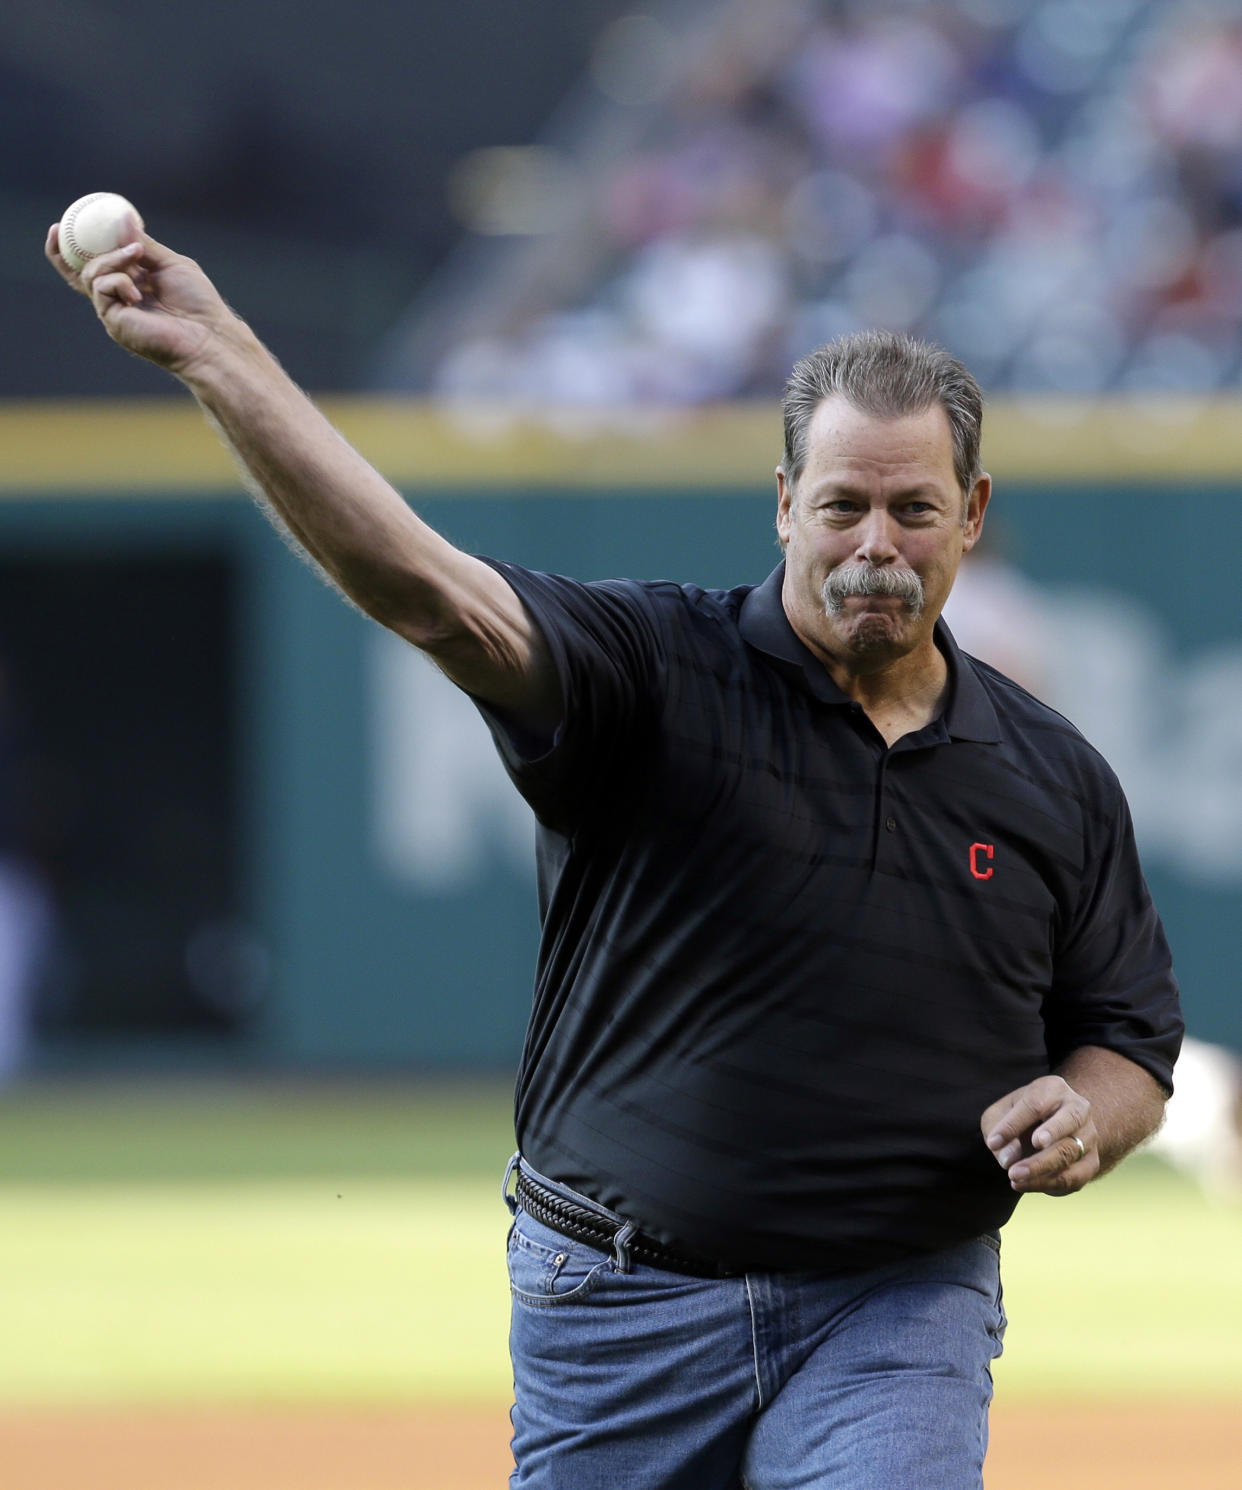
column 109, row 448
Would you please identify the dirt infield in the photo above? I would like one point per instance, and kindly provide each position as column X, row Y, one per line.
column 1089, row 1448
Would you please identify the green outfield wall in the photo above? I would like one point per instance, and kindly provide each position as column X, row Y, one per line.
column 378, row 861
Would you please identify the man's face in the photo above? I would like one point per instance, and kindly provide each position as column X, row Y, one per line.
column 874, row 533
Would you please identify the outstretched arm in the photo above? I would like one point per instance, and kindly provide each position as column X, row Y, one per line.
column 1099, row 1100
column 349, row 521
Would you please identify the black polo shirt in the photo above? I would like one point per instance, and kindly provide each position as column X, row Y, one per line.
column 784, row 968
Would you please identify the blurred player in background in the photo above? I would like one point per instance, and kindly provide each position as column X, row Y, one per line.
column 1202, row 1132
column 26, row 913
column 999, row 616
column 845, row 941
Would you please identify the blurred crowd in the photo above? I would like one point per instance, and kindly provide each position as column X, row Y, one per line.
column 1052, row 188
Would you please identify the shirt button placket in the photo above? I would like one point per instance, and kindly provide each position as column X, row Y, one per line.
column 884, row 843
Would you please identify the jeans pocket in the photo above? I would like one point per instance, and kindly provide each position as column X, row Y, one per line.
column 1002, row 1319
column 547, row 1269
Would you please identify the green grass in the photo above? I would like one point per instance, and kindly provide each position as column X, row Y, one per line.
column 1132, row 1288
column 284, row 1291
column 299, row 1243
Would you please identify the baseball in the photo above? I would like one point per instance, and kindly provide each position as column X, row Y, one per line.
column 96, row 224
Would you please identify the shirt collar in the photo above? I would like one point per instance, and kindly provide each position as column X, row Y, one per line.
column 970, row 714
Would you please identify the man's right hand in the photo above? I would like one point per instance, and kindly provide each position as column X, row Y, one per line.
column 153, row 302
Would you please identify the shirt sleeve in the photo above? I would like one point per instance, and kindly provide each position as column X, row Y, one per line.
column 1113, row 983
column 605, row 643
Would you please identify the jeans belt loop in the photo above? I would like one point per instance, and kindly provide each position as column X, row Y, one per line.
column 509, row 1200
column 621, row 1247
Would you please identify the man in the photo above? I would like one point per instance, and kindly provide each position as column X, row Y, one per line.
column 845, row 943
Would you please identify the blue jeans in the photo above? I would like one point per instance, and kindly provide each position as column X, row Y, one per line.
column 652, row 1380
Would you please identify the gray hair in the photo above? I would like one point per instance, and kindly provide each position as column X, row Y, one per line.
column 889, row 375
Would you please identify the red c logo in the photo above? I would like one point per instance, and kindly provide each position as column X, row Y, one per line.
column 984, row 849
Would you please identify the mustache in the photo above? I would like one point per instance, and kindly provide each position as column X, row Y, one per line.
column 870, row 579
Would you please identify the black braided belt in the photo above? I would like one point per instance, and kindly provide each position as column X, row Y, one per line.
column 583, row 1225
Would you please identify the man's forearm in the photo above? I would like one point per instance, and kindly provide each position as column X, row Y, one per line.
column 1127, row 1103
column 334, row 504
